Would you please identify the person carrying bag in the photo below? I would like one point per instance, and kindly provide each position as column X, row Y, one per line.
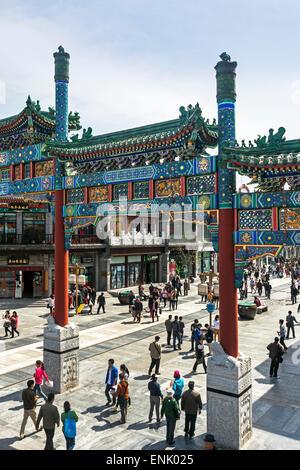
column 69, row 419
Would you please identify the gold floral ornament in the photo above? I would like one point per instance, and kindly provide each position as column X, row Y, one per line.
column 98, row 194
column 246, row 237
column 246, row 201
column 204, row 201
column 203, row 164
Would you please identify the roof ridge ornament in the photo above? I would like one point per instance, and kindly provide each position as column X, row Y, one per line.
column 273, row 141
column 225, row 57
column 190, row 113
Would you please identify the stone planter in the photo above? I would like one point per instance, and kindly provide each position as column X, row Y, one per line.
column 247, row 310
column 123, row 298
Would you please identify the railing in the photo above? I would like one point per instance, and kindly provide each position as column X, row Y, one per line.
column 85, row 239
column 11, row 239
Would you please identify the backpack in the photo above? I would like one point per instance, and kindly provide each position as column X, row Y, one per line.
column 70, row 427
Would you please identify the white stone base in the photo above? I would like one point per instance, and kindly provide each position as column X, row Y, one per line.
column 61, row 356
column 229, row 399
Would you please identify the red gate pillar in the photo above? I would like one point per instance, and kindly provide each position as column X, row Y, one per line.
column 229, row 378
column 61, row 263
column 226, row 187
column 61, row 338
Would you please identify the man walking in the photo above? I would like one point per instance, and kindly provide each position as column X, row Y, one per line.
column 185, row 287
column 49, row 414
column 200, row 359
column 101, row 303
column 169, row 328
column 176, row 333
column 290, row 323
column 275, row 354
column 191, row 404
column 111, row 381
column 123, row 397
column 193, row 327
column 181, row 329
column 29, row 402
column 209, row 336
column 155, row 353
column 155, row 396
column 281, row 334
column 171, row 410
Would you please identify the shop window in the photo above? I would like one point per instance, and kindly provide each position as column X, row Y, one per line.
column 117, row 276
column 33, row 228
column 7, row 284
column 8, row 228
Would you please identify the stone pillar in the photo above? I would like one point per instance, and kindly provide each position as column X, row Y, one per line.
column 229, row 399
column 61, row 340
column 19, row 226
column 229, row 396
column 104, row 273
column 164, row 267
column 61, row 347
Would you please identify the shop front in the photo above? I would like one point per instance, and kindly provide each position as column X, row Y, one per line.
column 126, row 271
column 131, row 270
column 22, row 282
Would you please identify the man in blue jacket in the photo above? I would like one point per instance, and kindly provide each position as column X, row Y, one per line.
column 111, row 381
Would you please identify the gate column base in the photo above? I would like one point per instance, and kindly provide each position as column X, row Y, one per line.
column 229, row 398
column 61, row 356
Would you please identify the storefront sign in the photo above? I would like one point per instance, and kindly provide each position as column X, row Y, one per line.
column 18, row 260
column 18, row 206
column 172, row 268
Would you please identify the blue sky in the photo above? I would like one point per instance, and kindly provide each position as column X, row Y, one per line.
column 135, row 62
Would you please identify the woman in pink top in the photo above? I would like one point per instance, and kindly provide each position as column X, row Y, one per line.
column 39, row 376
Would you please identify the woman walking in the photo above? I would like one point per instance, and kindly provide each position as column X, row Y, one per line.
column 178, row 385
column 69, row 419
column 6, row 323
column 39, row 375
column 14, row 324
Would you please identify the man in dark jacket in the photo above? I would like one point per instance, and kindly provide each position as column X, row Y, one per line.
column 181, row 329
column 191, row 404
column 200, row 359
column 138, row 308
column 193, row 327
column 49, row 414
column 276, row 352
column 101, row 303
column 169, row 328
column 209, row 336
column 176, row 333
column 290, row 323
column 155, row 396
column 29, row 402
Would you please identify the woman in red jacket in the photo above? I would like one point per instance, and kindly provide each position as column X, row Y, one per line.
column 14, row 324
column 39, row 376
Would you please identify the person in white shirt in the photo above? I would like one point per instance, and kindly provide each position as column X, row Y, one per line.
column 51, row 303
column 216, row 327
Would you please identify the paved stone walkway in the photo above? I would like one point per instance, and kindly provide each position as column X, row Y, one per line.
column 276, row 404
